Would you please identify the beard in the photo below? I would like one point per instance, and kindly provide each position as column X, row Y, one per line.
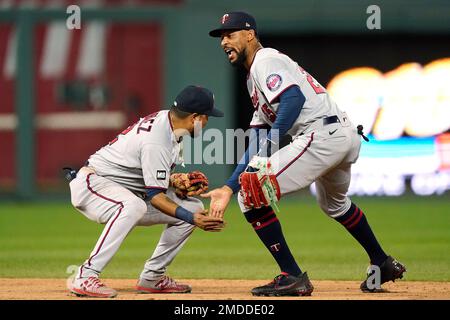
column 241, row 57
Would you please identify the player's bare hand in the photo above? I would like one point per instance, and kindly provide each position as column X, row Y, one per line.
column 220, row 198
column 207, row 222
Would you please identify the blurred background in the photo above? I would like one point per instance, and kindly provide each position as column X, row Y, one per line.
column 65, row 93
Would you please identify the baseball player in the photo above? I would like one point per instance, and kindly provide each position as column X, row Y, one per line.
column 126, row 184
column 324, row 145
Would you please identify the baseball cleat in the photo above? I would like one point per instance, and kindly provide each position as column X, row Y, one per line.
column 163, row 285
column 91, row 287
column 390, row 270
column 286, row 285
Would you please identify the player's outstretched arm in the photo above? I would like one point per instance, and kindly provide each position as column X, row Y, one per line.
column 199, row 219
column 220, row 198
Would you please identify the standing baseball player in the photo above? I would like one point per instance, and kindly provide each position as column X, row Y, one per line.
column 126, row 184
column 324, row 145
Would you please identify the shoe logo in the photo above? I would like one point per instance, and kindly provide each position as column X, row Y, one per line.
column 331, row 132
column 289, row 286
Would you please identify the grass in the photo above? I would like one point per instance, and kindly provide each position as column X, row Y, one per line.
column 43, row 239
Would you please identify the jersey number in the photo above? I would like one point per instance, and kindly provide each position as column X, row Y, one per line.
column 148, row 119
column 313, row 82
column 269, row 113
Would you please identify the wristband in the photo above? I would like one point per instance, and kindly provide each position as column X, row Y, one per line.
column 185, row 215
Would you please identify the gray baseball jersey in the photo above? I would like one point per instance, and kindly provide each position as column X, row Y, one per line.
column 321, row 152
column 142, row 156
column 270, row 75
column 106, row 191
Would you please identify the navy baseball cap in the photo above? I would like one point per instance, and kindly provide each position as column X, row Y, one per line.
column 195, row 99
column 234, row 21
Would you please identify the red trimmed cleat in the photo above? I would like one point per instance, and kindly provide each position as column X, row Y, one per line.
column 163, row 285
column 91, row 287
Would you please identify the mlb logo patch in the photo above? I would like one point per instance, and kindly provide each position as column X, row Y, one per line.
column 161, row 174
column 274, row 82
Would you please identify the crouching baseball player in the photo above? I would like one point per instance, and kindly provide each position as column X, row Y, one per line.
column 128, row 183
column 324, row 146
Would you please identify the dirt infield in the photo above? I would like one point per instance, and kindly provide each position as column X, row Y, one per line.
column 55, row 289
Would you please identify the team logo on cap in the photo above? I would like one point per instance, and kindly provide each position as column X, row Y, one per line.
column 225, row 18
column 274, row 82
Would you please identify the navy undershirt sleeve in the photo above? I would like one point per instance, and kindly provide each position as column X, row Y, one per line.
column 151, row 192
column 291, row 103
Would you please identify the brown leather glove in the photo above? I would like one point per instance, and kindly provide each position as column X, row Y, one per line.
column 189, row 184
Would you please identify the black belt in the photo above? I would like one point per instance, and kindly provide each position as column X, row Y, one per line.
column 334, row 119
column 330, row 120
column 327, row 120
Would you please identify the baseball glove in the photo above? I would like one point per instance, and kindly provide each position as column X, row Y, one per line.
column 189, row 184
column 260, row 187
